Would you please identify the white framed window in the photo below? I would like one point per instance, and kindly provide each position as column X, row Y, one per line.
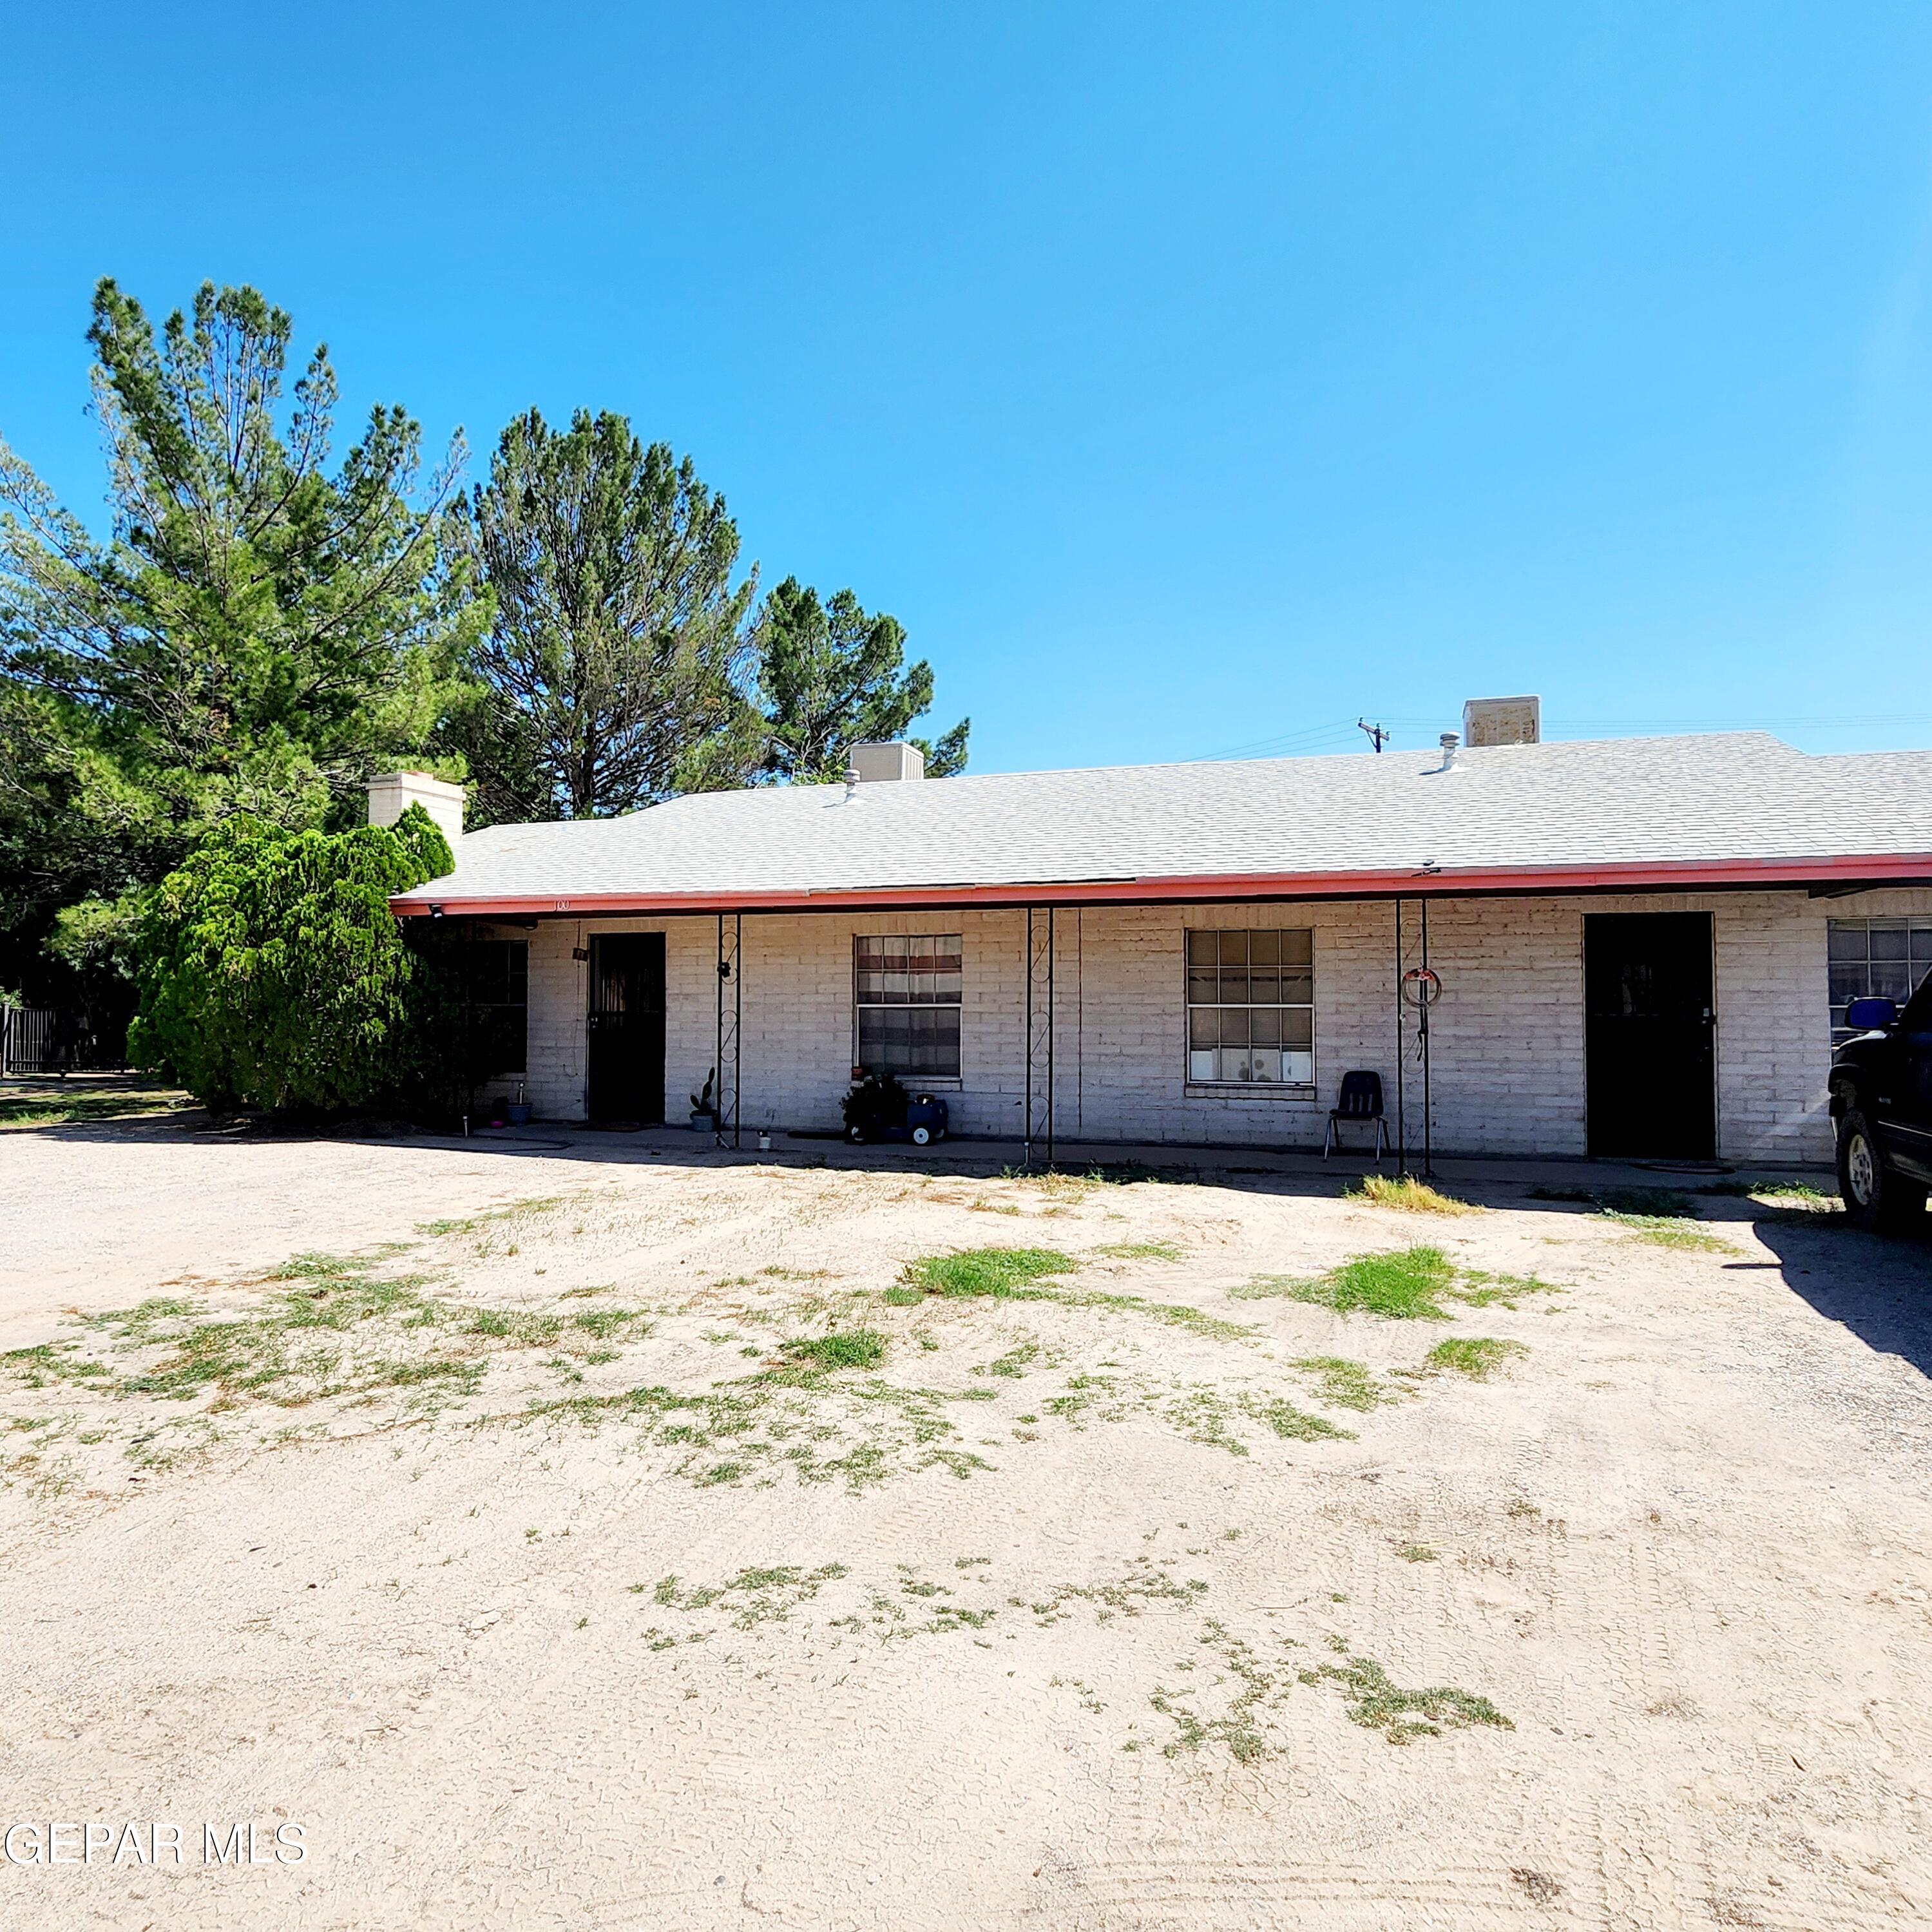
column 906, row 993
column 1882, row 958
column 1251, row 1007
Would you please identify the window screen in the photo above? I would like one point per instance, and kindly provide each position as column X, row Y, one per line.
column 906, row 996
column 1885, row 959
column 1251, row 1007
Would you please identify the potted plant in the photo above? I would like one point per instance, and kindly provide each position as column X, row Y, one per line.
column 704, row 1107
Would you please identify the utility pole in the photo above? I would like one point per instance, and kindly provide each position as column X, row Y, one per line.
column 1378, row 735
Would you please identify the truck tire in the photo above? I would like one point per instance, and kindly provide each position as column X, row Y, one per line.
column 1875, row 1197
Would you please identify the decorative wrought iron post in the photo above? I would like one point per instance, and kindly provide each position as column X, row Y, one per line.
column 728, row 1093
column 1038, row 1100
column 1401, row 1056
column 1430, row 987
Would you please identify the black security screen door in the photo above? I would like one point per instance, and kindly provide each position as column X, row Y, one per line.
column 1652, row 1034
column 627, row 1027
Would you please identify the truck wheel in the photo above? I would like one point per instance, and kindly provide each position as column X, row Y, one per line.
column 1875, row 1197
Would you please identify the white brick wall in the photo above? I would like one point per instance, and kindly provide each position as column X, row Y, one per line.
column 1507, row 1052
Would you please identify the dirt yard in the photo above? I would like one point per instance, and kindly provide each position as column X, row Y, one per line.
column 604, row 1533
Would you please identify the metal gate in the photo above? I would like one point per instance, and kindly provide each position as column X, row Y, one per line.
column 50, row 1040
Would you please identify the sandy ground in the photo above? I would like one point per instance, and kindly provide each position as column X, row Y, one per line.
column 502, row 1546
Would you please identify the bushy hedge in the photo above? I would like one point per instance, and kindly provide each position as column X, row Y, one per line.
column 273, row 974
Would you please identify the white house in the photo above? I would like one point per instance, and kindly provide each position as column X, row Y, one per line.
column 1638, row 947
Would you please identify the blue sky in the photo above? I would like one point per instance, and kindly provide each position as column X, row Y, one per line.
column 1186, row 379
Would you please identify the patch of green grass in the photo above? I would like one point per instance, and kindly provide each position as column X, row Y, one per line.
column 540, row 1204
column 604, row 1322
column 992, row 1271
column 753, row 1596
column 1415, row 1552
column 1401, row 1716
column 1403, row 1284
column 1477, row 1356
column 38, row 1109
column 1766, row 1190
column 1660, row 1215
column 1253, row 1688
column 1008, row 1273
column 1174, row 1314
column 1131, row 1174
column 1408, row 1195
column 328, row 1327
column 1141, row 1251
column 1294, row 1425
column 853, row 1349
column 1663, row 1230
column 1013, row 1364
column 1345, row 1384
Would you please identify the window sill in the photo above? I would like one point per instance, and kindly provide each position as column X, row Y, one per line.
column 1265, row 1090
column 938, row 1083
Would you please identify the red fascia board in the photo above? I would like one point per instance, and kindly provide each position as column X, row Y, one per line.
column 1678, row 875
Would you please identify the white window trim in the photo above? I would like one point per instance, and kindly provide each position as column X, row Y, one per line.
column 1300, row 1092
column 931, row 1083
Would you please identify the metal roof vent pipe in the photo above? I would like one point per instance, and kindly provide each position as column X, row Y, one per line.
column 1450, row 741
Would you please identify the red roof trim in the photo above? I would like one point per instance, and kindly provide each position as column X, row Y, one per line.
column 1681, row 875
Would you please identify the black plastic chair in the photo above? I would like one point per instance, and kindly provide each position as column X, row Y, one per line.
column 1360, row 1099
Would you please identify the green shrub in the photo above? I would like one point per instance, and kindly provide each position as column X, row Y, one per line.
column 273, row 973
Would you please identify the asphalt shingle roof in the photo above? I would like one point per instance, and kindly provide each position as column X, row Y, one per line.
column 1691, row 801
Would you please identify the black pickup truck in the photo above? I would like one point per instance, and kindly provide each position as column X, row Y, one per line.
column 1882, row 1101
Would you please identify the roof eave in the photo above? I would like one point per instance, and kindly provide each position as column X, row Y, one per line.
column 1681, row 875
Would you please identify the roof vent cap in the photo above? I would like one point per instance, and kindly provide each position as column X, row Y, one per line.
column 1449, row 743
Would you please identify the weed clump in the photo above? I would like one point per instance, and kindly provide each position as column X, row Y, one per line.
column 854, row 1348
column 1346, row 1385
column 1477, row 1356
column 1408, row 1195
column 991, row 1271
column 1664, row 1231
column 1014, row 1274
column 1406, row 1284
column 1402, row 1284
column 1401, row 1716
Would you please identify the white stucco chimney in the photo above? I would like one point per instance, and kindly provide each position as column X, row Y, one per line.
column 876, row 762
column 1502, row 721
column 391, row 794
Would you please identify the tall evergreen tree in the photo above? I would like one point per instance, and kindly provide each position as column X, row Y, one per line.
column 254, row 632
column 609, row 675
column 831, row 676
